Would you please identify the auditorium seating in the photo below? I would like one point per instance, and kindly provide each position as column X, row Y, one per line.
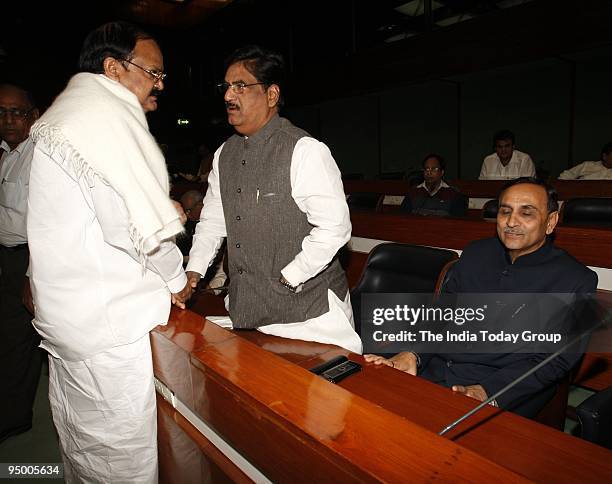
column 400, row 268
column 365, row 201
column 587, row 211
column 595, row 417
column 489, row 210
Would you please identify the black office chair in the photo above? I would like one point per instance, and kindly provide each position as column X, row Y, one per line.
column 587, row 211
column 489, row 209
column 400, row 268
column 365, row 201
column 595, row 417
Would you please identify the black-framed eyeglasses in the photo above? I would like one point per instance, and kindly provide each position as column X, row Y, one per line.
column 236, row 87
column 432, row 169
column 15, row 112
column 155, row 74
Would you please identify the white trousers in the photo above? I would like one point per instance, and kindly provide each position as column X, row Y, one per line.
column 105, row 415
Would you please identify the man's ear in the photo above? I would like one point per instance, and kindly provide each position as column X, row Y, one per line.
column 273, row 94
column 35, row 114
column 111, row 68
column 551, row 223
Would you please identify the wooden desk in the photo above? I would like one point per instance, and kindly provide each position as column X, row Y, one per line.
column 376, row 425
column 591, row 245
column 566, row 189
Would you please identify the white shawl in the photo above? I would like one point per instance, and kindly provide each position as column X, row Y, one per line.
column 96, row 126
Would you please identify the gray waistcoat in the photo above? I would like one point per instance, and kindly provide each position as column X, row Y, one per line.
column 265, row 229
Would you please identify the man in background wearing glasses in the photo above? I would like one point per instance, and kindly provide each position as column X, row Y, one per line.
column 276, row 193
column 434, row 196
column 20, row 358
column 104, row 266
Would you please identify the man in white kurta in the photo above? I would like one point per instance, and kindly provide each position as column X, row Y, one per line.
column 592, row 170
column 507, row 163
column 103, row 260
column 266, row 290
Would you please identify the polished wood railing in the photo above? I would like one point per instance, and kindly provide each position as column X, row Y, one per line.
column 590, row 245
column 485, row 188
column 377, row 425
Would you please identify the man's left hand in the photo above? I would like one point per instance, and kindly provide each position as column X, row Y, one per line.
column 473, row 391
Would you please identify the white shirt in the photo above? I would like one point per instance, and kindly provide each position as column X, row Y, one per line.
column 316, row 188
column 519, row 165
column 588, row 170
column 15, row 177
column 90, row 289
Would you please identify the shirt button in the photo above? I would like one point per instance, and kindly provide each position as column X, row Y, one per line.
column 239, row 190
column 237, row 246
column 244, row 162
column 237, row 217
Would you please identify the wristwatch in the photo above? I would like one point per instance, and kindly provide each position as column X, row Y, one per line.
column 286, row 283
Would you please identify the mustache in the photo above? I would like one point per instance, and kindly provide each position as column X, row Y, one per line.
column 513, row 231
column 155, row 92
column 231, row 105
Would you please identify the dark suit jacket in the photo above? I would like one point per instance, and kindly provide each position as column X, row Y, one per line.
column 485, row 267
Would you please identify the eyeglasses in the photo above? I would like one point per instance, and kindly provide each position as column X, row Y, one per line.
column 155, row 74
column 432, row 169
column 236, row 87
column 15, row 112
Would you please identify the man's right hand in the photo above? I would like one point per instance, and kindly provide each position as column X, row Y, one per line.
column 405, row 361
column 193, row 278
column 179, row 298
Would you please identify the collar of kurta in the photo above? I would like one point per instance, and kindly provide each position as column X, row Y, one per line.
column 442, row 184
column 533, row 258
column 5, row 146
column 264, row 133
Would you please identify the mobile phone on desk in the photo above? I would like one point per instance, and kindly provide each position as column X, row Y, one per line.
column 336, row 369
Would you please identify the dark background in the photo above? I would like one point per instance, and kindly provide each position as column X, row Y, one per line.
column 381, row 86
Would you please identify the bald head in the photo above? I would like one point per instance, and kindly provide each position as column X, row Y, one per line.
column 192, row 204
column 17, row 114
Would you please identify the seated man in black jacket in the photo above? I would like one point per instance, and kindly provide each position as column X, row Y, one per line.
column 521, row 259
column 434, row 196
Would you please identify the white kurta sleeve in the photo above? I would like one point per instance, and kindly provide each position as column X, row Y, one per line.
column 573, row 173
column 112, row 215
column 210, row 230
column 316, row 187
column 530, row 169
column 484, row 170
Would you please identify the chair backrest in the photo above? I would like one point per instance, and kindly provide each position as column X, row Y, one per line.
column 595, row 417
column 489, row 209
column 365, row 201
column 399, row 268
column 587, row 211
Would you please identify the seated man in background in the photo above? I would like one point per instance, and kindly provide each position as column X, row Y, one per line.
column 434, row 196
column 521, row 259
column 592, row 170
column 506, row 163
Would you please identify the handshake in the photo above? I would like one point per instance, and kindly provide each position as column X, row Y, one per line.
column 180, row 298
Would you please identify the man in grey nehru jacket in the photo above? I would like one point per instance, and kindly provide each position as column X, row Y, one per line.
column 276, row 194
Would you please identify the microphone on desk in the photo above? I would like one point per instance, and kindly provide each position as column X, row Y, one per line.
column 605, row 323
